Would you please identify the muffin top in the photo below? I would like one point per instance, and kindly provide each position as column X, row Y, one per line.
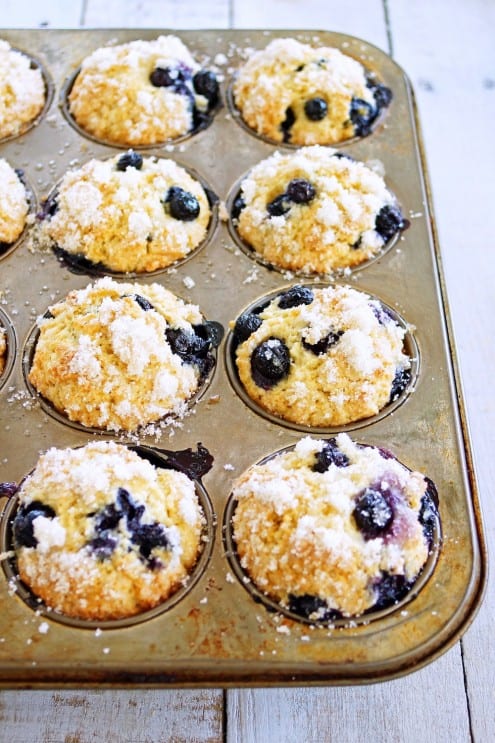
column 321, row 356
column 142, row 92
column 22, row 91
column 332, row 528
column 128, row 213
column 14, row 205
column 293, row 92
column 101, row 533
column 118, row 356
column 315, row 211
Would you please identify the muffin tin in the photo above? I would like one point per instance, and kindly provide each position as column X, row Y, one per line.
column 217, row 633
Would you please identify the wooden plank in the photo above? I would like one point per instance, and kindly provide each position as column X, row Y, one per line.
column 451, row 60
column 26, row 14
column 115, row 716
column 401, row 711
column 364, row 19
column 157, row 13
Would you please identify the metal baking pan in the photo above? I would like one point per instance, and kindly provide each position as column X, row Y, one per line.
column 217, row 634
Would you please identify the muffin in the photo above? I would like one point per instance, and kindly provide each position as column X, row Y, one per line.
column 332, row 528
column 315, row 211
column 142, row 92
column 127, row 213
column 321, row 356
column 22, row 91
column 292, row 92
column 118, row 356
column 14, row 205
column 101, row 533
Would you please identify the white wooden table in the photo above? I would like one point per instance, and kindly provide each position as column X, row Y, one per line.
column 448, row 49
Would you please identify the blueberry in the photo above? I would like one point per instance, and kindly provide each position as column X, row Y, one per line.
column 108, row 518
column 49, row 207
column 330, row 454
column 372, row 513
column 389, row 590
column 182, row 204
column 300, row 191
column 401, row 380
column 144, row 303
column 312, row 607
column 149, row 536
column 279, row 206
column 270, row 363
column 316, row 109
column 206, row 84
column 245, row 325
column 167, row 77
column 362, row 115
column 23, row 523
column 210, row 331
column 428, row 514
column 182, row 89
column 237, row 207
column 186, row 344
column 103, row 545
column 163, row 77
column 295, row 296
column 325, row 343
column 389, row 220
column 130, row 159
column 382, row 95
column 8, row 489
column 132, row 512
column 287, row 123
column 382, row 313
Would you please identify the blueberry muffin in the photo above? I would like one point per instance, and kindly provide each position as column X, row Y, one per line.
column 334, row 529
column 101, row 533
column 321, row 356
column 292, row 92
column 315, row 211
column 142, row 92
column 22, row 91
column 127, row 213
column 14, row 205
column 118, row 356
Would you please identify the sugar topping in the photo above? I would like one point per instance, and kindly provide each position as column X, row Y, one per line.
column 14, row 205
column 22, row 91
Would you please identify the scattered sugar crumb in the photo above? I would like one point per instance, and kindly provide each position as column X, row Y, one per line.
column 106, row 650
column 204, row 600
column 229, row 577
column 229, row 467
column 43, row 628
column 283, row 629
column 188, row 282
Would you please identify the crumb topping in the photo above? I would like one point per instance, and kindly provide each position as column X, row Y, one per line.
column 116, row 537
column 297, row 534
column 14, row 204
column 106, row 355
column 120, row 218
column 22, row 91
column 335, row 229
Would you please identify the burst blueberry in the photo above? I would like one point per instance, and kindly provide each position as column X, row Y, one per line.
column 372, row 513
column 401, row 380
column 182, row 204
column 163, row 77
column 325, row 343
column 389, row 221
column 328, row 455
column 428, row 514
column 279, row 206
column 270, row 363
column 316, row 109
column 23, row 529
column 287, row 123
column 362, row 115
column 312, row 607
column 237, row 207
column 389, row 590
